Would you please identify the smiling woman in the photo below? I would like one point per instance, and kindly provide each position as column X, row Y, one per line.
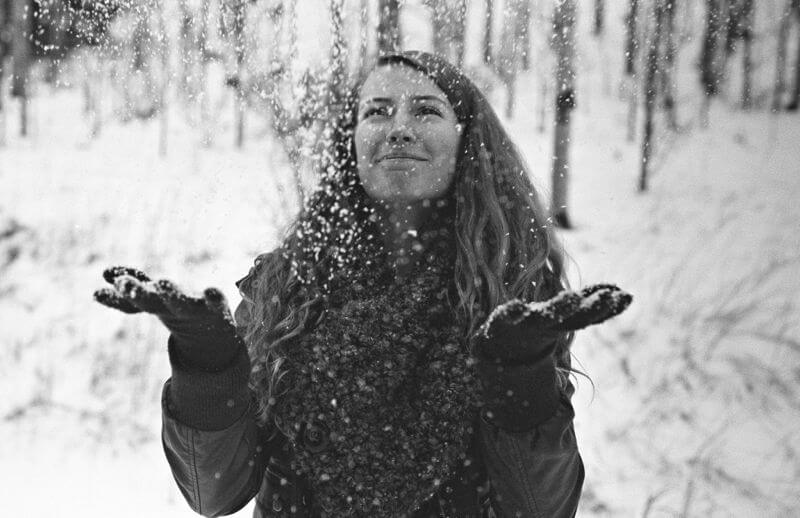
column 407, row 347
column 407, row 137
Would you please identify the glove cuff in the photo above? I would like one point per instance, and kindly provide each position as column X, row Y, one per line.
column 518, row 397
column 208, row 400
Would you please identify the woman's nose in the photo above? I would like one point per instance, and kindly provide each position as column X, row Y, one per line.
column 401, row 131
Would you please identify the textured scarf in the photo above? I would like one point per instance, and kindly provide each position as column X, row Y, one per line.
column 381, row 393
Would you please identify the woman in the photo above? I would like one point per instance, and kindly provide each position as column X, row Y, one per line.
column 393, row 368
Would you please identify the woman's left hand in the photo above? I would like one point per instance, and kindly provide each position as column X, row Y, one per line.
column 510, row 328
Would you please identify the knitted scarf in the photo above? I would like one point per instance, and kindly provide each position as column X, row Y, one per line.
column 381, row 393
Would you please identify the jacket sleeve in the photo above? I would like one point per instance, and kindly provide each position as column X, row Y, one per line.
column 214, row 447
column 536, row 473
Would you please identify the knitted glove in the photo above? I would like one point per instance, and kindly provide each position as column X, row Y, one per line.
column 203, row 334
column 515, row 349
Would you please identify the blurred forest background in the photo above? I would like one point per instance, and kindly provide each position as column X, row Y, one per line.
column 181, row 136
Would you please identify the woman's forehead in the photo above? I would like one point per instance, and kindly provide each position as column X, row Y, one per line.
column 398, row 81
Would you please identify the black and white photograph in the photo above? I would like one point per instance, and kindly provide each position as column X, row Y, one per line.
column 400, row 258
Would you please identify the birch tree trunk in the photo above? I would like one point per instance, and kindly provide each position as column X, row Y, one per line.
column 164, row 80
column 449, row 27
column 507, row 62
column 631, row 53
column 21, row 54
column 488, row 32
column 363, row 39
column 651, row 92
column 794, row 100
column 710, row 70
column 524, row 35
column 780, row 61
column 5, row 43
column 746, row 28
column 599, row 17
column 667, row 72
column 564, row 44
column 389, row 36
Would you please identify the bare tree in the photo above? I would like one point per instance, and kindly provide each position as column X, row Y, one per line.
column 746, row 33
column 524, row 34
column 794, row 100
column 22, row 23
column 780, row 66
column 234, row 16
column 599, row 17
column 449, row 19
column 651, row 91
column 711, row 65
column 564, row 45
column 5, row 46
column 667, row 71
column 488, row 32
column 631, row 54
column 363, row 38
column 507, row 62
column 389, row 37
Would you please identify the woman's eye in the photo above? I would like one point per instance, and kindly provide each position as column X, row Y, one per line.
column 429, row 110
column 382, row 111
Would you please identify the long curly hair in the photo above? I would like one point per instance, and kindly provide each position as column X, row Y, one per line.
column 505, row 243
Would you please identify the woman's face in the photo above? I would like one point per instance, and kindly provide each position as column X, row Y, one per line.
column 407, row 136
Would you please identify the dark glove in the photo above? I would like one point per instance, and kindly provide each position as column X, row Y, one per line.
column 515, row 349
column 203, row 333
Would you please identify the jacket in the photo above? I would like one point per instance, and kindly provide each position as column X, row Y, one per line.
column 221, row 459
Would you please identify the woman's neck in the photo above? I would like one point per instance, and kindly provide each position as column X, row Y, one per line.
column 399, row 224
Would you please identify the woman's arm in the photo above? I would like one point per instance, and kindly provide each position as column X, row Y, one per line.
column 216, row 451
column 536, row 473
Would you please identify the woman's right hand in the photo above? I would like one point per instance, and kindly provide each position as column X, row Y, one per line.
column 202, row 328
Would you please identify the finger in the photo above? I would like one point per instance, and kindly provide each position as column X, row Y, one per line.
column 217, row 304
column 113, row 300
column 589, row 290
column 111, row 274
column 177, row 302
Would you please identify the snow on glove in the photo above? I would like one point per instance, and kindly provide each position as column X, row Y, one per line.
column 202, row 328
column 515, row 349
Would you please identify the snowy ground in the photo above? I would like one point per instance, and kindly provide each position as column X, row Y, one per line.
column 695, row 405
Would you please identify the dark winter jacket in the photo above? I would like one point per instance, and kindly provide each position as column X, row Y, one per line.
column 221, row 459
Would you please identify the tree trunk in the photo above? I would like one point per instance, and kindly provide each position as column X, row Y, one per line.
column 389, row 37
column 631, row 38
column 508, row 61
column 338, row 69
column 21, row 53
column 163, row 101
column 631, row 53
column 564, row 43
column 236, row 18
column 205, row 58
column 524, row 35
column 599, row 17
column 5, row 31
column 488, row 32
column 449, row 27
column 780, row 65
column 650, row 93
column 746, row 28
column 710, row 69
column 794, row 100
column 667, row 74
column 363, row 38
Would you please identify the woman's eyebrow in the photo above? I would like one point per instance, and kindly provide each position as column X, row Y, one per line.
column 416, row 98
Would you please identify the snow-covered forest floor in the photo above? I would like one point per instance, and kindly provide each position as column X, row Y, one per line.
column 695, row 409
